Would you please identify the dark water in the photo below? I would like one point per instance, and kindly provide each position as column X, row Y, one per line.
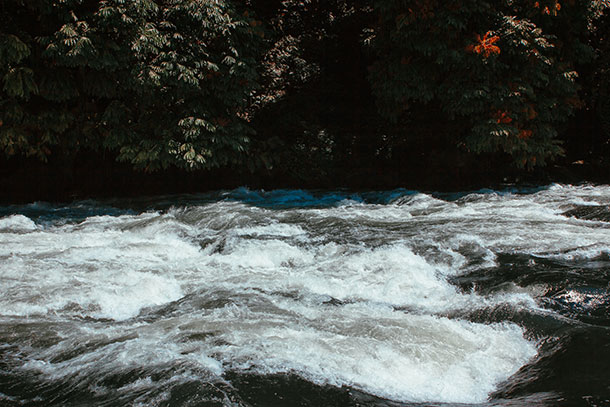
column 309, row 298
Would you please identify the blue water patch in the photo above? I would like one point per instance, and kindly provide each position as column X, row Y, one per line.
column 298, row 198
column 286, row 198
column 46, row 213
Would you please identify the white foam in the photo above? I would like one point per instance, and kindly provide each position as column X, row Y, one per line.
column 421, row 203
column 273, row 230
column 390, row 354
column 593, row 251
column 349, row 295
column 17, row 224
column 126, row 295
column 91, row 271
column 257, row 255
column 392, row 274
column 114, row 351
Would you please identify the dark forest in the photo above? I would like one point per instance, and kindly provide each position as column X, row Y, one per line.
column 117, row 97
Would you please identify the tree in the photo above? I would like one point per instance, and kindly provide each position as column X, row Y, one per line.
column 300, row 84
column 501, row 73
column 314, row 110
column 158, row 83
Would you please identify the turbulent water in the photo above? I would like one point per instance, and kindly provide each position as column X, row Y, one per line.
column 309, row 298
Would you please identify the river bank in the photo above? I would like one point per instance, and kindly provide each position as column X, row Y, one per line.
column 91, row 177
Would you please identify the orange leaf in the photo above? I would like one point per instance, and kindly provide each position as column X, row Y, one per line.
column 485, row 45
column 503, row 117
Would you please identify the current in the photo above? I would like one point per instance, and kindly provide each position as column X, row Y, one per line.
column 309, row 298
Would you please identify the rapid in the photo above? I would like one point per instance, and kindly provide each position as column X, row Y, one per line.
column 309, row 298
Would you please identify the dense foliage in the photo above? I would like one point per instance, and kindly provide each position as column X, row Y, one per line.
column 502, row 71
column 309, row 86
column 159, row 82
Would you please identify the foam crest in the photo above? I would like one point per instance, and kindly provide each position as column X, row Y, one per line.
column 240, row 254
column 420, row 202
column 89, row 270
column 387, row 353
column 272, row 230
column 127, row 294
column 393, row 275
column 591, row 252
column 17, row 224
column 109, row 352
column 371, row 347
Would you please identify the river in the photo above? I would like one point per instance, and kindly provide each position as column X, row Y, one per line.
column 309, row 298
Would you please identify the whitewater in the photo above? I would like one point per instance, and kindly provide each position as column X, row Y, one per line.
column 294, row 297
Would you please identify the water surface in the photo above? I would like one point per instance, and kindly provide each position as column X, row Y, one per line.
column 311, row 298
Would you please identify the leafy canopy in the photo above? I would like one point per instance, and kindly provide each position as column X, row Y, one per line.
column 162, row 82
